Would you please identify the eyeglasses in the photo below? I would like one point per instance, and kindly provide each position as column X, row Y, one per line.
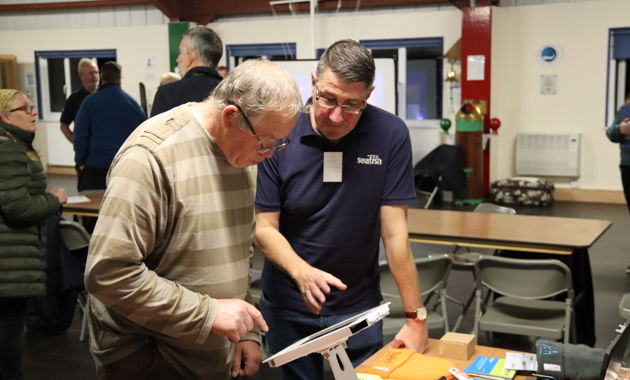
column 331, row 104
column 280, row 143
column 28, row 108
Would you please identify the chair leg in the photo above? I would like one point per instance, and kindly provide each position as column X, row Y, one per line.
column 430, row 200
column 465, row 307
column 83, row 327
column 475, row 330
column 82, row 300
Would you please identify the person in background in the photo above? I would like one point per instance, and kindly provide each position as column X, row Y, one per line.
column 168, row 264
column 199, row 53
column 105, row 120
column 89, row 76
column 24, row 205
column 167, row 78
column 223, row 71
column 619, row 132
column 321, row 206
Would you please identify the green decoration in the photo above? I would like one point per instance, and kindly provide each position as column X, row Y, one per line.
column 445, row 124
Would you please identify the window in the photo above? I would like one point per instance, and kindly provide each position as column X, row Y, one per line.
column 237, row 54
column 57, row 77
column 618, row 84
column 418, row 66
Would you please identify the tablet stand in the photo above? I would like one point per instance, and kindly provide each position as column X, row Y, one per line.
column 331, row 343
column 339, row 361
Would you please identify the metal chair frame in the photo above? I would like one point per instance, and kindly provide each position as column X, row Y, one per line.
column 521, row 302
column 466, row 260
column 75, row 237
column 433, row 272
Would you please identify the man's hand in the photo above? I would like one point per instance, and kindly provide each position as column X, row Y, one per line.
column 624, row 127
column 414, row 335
column 314, row 284
column 60, row 194
column 235, row 318
column 246, row 359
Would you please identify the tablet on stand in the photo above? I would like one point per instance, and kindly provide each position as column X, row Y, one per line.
column 331, row 343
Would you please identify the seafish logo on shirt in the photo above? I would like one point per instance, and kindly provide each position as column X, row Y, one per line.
column 370, row 159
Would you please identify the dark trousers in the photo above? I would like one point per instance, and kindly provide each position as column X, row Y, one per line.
column 625, row 180
column 91, row 179
column 12, row 321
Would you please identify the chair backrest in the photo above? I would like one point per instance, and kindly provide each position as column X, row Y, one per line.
column 73, row 234
column 432, row 270
column 524, row 278
column 491, row 208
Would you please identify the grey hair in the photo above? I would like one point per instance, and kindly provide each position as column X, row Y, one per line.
column 207, row 44
column 85, row 61
column 349, row 60
column 259, row 86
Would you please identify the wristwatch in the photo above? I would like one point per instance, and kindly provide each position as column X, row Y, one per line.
column 419, row 314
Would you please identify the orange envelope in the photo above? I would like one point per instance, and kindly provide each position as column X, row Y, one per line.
column 403, row 364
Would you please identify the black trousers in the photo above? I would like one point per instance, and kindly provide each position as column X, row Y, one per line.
column 625, row 180
column 12, row 323
column 91, row 179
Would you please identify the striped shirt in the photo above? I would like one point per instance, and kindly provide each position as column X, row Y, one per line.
column 173, row 235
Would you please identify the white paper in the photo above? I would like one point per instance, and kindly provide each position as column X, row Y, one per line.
column 333, row 162
column 521, row 362
column 548, row 84
column 78, row 199
column 476, row 67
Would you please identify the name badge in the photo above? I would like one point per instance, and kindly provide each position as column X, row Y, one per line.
column 333, row 164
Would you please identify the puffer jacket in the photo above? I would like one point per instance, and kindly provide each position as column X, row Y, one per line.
column 24, row 205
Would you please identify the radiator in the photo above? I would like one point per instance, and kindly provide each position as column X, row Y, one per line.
column 548, row 154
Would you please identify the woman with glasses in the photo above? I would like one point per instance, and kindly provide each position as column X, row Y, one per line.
column 24, row 205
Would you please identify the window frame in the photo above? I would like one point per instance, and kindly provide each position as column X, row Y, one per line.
column 617, row 81
column 402, row 44
column 42, row 80
column 236, row 52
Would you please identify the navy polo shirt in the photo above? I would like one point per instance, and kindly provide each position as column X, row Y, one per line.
column 335, row 226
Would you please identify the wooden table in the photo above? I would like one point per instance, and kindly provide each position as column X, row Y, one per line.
column 524, row 236
column 530, row 233
column 85, row 208
column 433, row 350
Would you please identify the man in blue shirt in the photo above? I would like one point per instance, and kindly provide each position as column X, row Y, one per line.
column 105, row 120
column 322, row 204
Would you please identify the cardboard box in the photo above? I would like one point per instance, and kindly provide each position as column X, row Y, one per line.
column 457, row 346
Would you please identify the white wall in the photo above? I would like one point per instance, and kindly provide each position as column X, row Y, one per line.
column 581, row 31
column 133, row 45
column 442, row 22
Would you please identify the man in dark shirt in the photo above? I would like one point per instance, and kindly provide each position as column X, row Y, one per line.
column 323, row 205
column 199, row 53
column 89, row 76
column 104, row 121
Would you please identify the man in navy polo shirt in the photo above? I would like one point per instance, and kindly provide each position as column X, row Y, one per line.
column 323, row 203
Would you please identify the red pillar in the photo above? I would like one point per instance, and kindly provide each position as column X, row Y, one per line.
column 477, row 41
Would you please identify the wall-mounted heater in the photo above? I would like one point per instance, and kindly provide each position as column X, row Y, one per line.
column 548, row 154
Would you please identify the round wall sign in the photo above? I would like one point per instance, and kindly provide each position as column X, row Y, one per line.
column 549, row 55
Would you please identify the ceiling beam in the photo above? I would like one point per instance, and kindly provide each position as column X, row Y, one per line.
column 478, row 3
column 206, row 11
column 71, row 5
column 170, row 8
